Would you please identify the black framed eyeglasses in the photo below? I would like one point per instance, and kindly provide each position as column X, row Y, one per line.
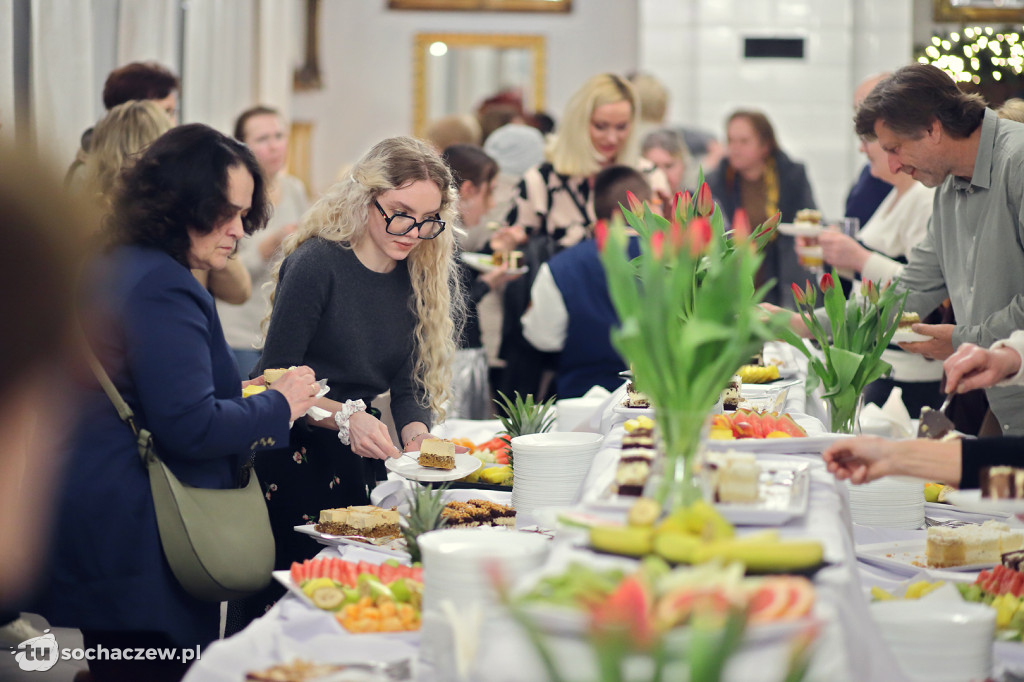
column 400, row 224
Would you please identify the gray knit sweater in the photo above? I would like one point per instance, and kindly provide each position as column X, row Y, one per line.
column 351, row 325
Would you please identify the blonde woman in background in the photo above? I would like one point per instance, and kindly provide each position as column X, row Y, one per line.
column 368, row 294
column 265, row 133
column 124, row 133
column 554, row 207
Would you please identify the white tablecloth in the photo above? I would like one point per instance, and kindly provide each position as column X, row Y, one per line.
column 849, row 647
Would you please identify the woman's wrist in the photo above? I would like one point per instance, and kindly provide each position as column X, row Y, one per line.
column 344, row 415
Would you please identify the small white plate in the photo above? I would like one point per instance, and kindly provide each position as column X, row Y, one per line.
column 407, row 467
column 908, row 557
column 971, row 500
column 908, row 336
column 482, row 262
column 633, row 412
column 800, row 229
column 394, row 547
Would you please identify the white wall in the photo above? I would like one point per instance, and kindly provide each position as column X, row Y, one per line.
column 366, row 62
column 696, row 48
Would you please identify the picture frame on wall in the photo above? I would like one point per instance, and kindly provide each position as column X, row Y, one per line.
column 484, row 5
column 987, row 11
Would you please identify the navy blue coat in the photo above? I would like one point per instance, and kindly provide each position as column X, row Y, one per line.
column 588, row 357
column 157, row 333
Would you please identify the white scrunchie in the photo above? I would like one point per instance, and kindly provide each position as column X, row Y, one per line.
column 342, row 417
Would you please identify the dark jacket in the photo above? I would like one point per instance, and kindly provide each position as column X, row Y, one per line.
column 157, row 333
column 588, row 357
column 795, row 193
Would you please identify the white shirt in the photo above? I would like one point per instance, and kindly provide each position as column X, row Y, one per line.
column 893, row 230
column 546, row 320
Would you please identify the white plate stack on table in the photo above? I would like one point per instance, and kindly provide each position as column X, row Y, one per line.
column 549, row 469
column 938, row 640
column 459, row 563
column 888, row 503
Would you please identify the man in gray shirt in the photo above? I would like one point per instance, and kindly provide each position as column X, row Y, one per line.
column 974, row 250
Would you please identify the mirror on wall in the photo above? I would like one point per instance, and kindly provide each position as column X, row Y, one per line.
column 454, row 72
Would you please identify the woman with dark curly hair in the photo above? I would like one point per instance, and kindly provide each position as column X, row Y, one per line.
column 184, row 204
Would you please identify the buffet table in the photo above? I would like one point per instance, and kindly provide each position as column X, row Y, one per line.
column 849, row 647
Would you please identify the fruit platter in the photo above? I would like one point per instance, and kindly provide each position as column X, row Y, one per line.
column 664, row 600
column 699, row 533
column 768, row 433
column 363, row 597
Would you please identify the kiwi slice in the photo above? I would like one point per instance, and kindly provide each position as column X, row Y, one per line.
column 328, row 598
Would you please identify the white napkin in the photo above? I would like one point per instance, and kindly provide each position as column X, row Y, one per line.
column 574, row 413
column 315, row 412
column 891, row 419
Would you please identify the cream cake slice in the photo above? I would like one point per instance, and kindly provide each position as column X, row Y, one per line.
column 367, row 521
column 970, row 544
column 437, row 453
column 736, row 478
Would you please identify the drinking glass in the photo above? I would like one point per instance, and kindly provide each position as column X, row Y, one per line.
column 851, row 226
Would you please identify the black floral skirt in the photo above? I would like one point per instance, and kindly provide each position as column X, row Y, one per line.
column 315, row 472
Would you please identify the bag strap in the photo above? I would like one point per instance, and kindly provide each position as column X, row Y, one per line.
column 143, row 438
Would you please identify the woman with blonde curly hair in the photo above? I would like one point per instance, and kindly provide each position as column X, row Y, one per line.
column 367, row 294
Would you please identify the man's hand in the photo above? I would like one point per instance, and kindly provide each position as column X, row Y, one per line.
column 843, row 252
column 939, row 347
column 796, row 323
column 972, row 367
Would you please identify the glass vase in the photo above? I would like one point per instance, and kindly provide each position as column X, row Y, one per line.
column 844, row 415
column 681, row 434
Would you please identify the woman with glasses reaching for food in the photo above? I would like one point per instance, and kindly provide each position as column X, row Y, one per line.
column 367, row 295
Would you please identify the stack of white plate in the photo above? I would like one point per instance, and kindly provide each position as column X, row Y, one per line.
column 888, row 502
column 953, row 642
column 461, row 564
column 550, row 468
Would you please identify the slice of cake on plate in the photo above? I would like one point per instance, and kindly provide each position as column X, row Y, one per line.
column 437, row 453
column 970, row 544
column 735, row 477
column 366, row 521
column 637, row 456
column 1001, row 483
column 478, row 513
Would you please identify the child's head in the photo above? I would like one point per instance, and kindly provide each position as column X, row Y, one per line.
column 474, row 173
column 611, row 185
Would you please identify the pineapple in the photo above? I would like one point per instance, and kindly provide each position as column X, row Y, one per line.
column 524, row 416
column 424, row 516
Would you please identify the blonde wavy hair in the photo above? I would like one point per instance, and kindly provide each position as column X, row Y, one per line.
column 123, row 134
column 342, row 215
column 570, row 151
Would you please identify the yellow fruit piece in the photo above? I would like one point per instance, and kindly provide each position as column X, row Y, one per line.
column 643, row 513
column 311, row 586
column 753, row 374
column 1006, row 606
column 878, row 594
column 626, row 540
column 916, row 590
column 248, row 391
column 495, row 475
column 778, row 434
column 472, row 478
column 641, row 422
column 931, row 492
column 676, row 547
column 764, row 556
column 717, row 433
